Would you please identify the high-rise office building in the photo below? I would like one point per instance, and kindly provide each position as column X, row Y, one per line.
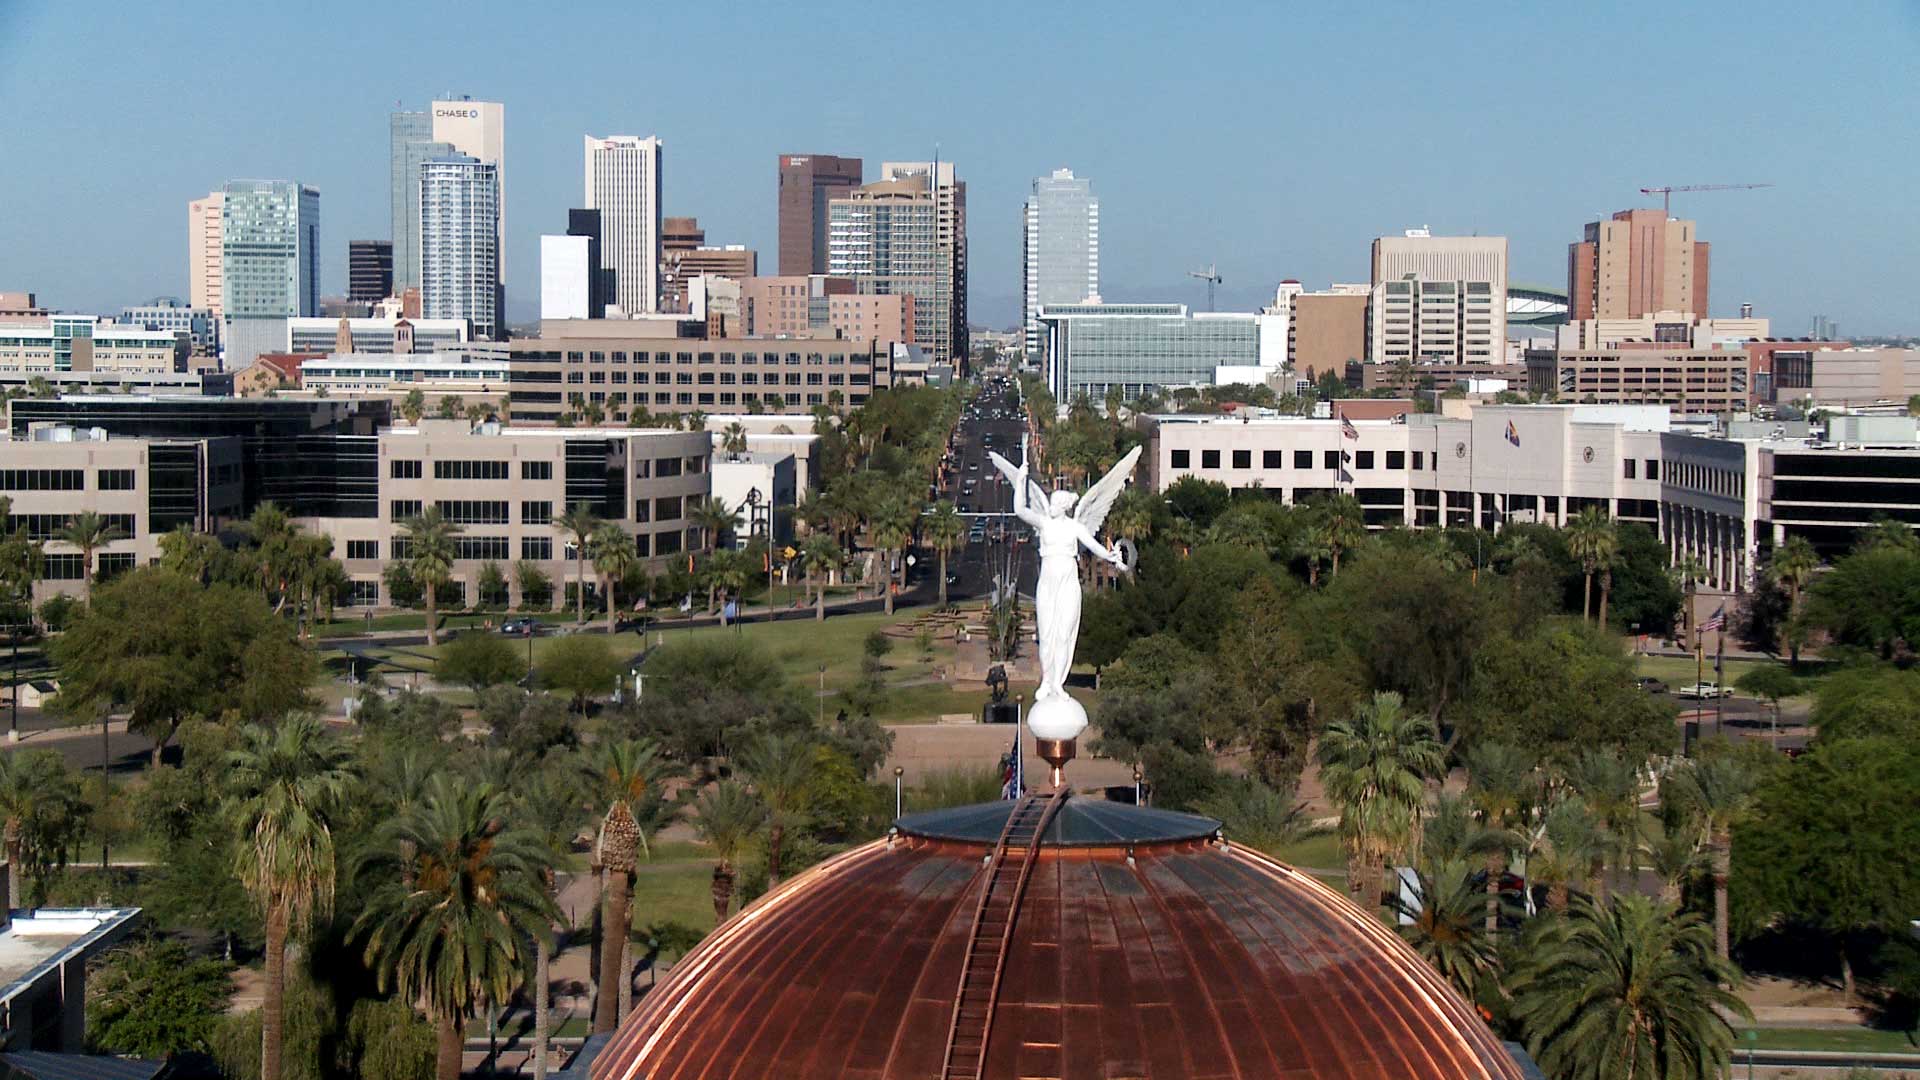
column 623, row 183
column 270, row 263
column 1438, row 299
column 454, row 125
column 369, row 270
column 1060, row 249
column 204, row 252
column 566, row 276
column 907, row 233
column 586, row 223
column 684, row 255
column 807, row 182
column 1636, row 263
column 459, row 242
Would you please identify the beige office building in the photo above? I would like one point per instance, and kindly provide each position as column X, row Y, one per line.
column 1438, row 299
column 1325, row 330
column 204, row 235
column 794, row 306
column 1847, row 377
column 1681, row 377
column 1636, row 263
column 504, row 485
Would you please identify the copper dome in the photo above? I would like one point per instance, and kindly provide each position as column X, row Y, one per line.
column 1141, row 946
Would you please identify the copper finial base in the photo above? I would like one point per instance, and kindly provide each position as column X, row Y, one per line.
column 1056, row 753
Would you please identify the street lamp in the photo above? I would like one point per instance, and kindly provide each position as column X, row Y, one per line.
column 897, row 771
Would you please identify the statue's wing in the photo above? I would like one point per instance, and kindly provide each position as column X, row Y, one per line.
column 1093, row 506
column 1036, row 496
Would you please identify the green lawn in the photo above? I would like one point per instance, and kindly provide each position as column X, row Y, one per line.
column 1315, row 853
column 1677, row 671
column 674, row 891
column 1863, row 1040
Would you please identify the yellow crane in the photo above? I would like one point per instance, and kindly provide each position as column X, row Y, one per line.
column 1666, row 193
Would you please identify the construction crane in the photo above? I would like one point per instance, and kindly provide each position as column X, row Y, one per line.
column 1211, row 275
column 1666, row 193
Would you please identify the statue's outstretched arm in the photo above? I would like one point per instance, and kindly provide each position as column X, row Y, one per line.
column 1092, row 543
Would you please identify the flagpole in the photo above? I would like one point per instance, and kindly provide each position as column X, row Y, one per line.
column 1719, row 679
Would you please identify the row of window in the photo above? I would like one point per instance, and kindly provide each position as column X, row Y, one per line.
column 1302, row 459
column 410, row 469
column 792, row 359
column 45, row 527
column 620, row 397
column 484, row 548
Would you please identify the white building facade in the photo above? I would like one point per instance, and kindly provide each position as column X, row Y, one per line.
column 1438, row 299
column 459, row 242
column 1060, row 249
column 623, row 183
column 566, row 277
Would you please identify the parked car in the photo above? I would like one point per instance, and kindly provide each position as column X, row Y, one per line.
column 520, row 627
column 1650, row 685
column 1699, row 691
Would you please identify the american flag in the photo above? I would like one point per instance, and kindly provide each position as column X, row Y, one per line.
column 1716, row 621
column 1347, row 430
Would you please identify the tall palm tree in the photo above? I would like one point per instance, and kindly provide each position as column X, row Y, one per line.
column 1132, row 515
column 1374, row 766
column 1592, row 540
column 1443, row 924
column 1719, row 790
column 734, row 442
column 1342, row 525
column 1610, row 786
column 1631, row 991
column 1792, row 567
column 414, row 405
column 1500, row 779
column 580, row 523
column 726, row 818
column 713, row 517
column 1690, row 573
column 893, row 534
column 430, row 555
column 549, row 803
column 821, row 556
column 456, row 936
column 1567, row 844
column 41, row 805
column 614, row 554
column 945, row 531
column 273, row 534
column 625, row 776
column 1677, row 858
column 780, row 767
column 286, row 785
column 89, row 532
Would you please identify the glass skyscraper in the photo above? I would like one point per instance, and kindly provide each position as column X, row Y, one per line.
column 1091, row 347
column 269, row 265
column 460, row 242
column 1060, row 250
column 411, row 142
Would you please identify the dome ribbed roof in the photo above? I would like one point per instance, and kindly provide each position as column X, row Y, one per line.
column 1137, row 957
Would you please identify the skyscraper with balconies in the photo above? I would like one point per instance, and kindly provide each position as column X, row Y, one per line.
column 459, row 242
column 907, row 233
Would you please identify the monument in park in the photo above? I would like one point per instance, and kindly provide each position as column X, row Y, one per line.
column 1063, row 523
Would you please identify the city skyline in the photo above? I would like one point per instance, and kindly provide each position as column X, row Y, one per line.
column 1301, row 201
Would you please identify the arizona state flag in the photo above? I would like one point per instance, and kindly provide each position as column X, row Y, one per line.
column 1513, row 434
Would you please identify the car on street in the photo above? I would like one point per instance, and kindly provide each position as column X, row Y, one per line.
column 1703, row 691
column 1650, row 685
column 521, row 627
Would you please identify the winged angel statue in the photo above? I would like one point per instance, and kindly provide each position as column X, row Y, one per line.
column 1061, row 528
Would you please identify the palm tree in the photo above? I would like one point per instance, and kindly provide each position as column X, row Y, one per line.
column 945, row 531
column 780, row 768
column 1677, row 858
column 1499, row 782
column 579, row 522
column 1259, row 816
column 414, row 405
column 274, row 535
column 1567, row 844
column 625, row 774
column 734, row 442
column 1719, row 790
column 892, row 534
column 1792, row 567
column 614, row 554
column 550, row 804
column 41, row 804
column 714, row 518
column 1374, row 765
column 1442, row 922
column 286, row 785
column 1132, row 515
column 821, row 556
column 430, row 555
column 89, row 532
column 1592, row 540
column 1610, row 786
column 726, row 818
column 1627, row 992
column 456, row 935
column 726, row 575
column 1690, row 572
column 1342, row 526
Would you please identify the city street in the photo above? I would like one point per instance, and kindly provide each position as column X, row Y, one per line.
column 993, row 423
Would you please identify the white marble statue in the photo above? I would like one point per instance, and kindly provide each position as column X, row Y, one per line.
column 1061, row 529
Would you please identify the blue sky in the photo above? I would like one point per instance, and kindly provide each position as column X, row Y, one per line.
column 1275, row 139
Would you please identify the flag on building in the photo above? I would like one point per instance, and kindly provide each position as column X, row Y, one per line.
column 1347, row 430
column 1513, row 434
column 1716, row 621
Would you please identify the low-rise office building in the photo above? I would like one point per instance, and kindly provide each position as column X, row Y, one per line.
column 1093, row 347
column 554, row 376
column 45, row 954
column 1684, row 378
column 759, row 487
column 1846, row 377
column 1366, row 378
column 476, row 376
column 503, row 486
column 58, row 343
column 145, row 488
column 201, row 325
column 375, row 335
